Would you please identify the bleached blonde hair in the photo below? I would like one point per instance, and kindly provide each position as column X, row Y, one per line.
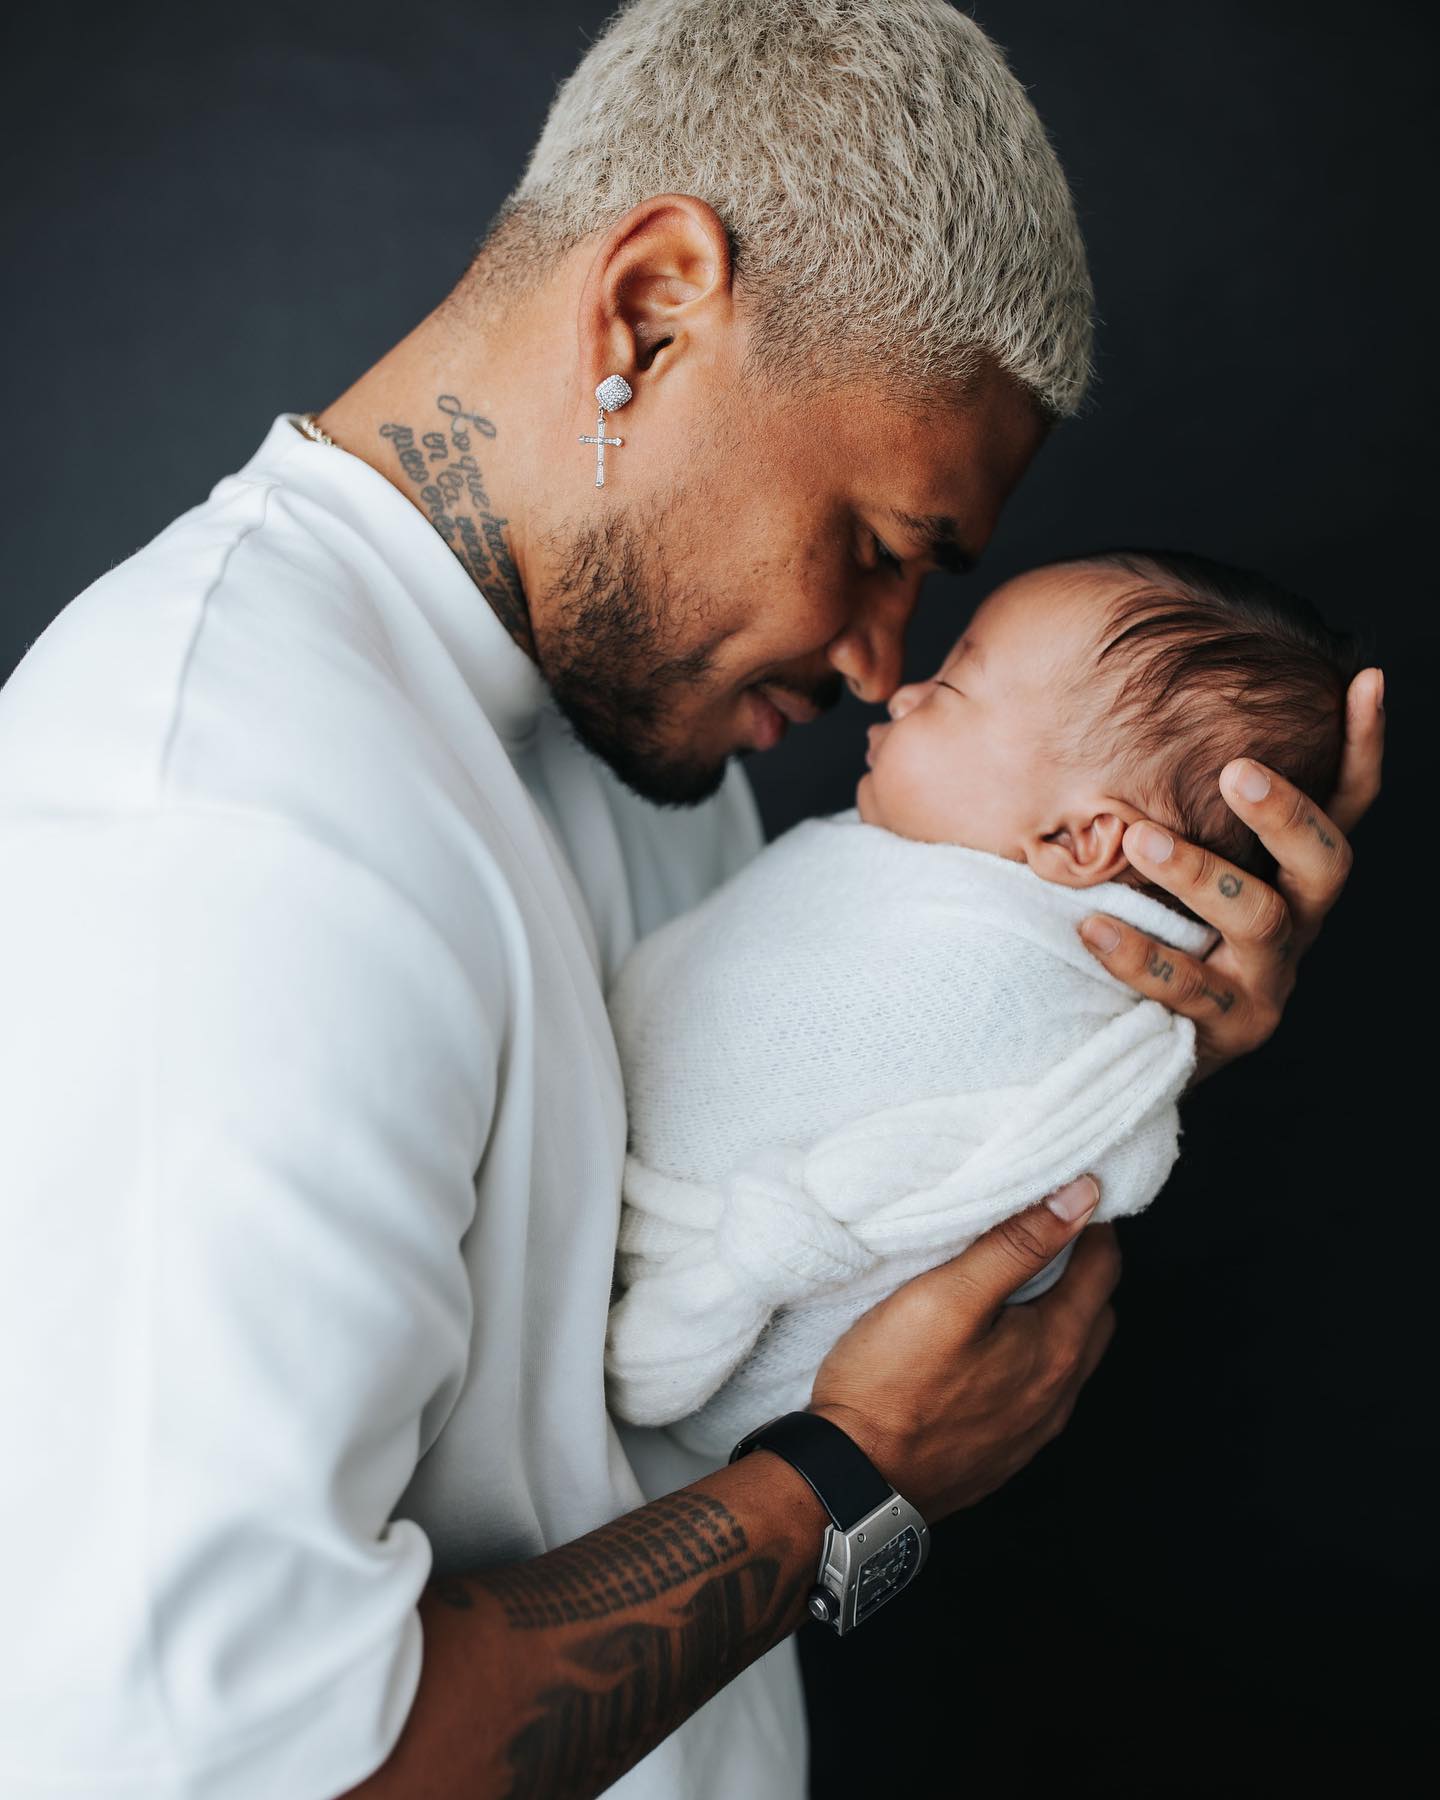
column 894, row 207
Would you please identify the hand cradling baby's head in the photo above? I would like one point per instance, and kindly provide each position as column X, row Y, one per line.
column 1090, row 693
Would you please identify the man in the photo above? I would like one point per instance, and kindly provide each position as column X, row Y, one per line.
column 328, row 815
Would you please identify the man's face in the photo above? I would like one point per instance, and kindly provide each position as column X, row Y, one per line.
column 752, row 581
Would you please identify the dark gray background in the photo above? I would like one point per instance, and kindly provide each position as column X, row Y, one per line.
column 216, row 214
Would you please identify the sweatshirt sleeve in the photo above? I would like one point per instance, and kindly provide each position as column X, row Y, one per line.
column 244, row 1088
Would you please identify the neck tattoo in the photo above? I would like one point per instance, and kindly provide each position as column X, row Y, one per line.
column 438, row 468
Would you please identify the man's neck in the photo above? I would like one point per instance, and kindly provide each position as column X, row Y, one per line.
column 438, row 418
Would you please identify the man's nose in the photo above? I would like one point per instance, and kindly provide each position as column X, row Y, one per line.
column 870, row 651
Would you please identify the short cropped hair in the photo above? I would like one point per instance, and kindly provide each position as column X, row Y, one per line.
column 894, row 207
column 1213, row 661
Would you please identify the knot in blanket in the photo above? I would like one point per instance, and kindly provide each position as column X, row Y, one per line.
column 706, row 1265
column 778, row 1236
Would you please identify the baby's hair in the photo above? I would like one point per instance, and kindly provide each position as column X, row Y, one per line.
column 1216, row 662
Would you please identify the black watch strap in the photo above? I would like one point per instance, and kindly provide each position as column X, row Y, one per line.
column 848, row 1483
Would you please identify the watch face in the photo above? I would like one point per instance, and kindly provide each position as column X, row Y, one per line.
column 884, row 1574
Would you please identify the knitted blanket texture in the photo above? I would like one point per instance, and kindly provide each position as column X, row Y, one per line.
column 841, row 1068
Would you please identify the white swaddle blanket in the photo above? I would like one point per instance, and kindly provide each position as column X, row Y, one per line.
column 841, row 1068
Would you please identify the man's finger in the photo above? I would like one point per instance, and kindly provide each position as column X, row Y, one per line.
column 1313, row 853
column 1084, row 1367
column 1066, row 1314
column 1176, row 980
column 1246, row 911
column 1013, row 1252
column 1099, row 1343
column 1364, row 752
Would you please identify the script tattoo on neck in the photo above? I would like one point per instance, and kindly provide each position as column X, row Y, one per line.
column 442, row 465
column 635, row 1664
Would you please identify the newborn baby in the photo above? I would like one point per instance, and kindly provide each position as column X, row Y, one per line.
column 884, row 1034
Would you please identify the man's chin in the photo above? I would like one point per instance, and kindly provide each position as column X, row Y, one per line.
column 663, row 778
column 671, row 783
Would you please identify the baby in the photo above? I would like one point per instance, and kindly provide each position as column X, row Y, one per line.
column 884, row 1034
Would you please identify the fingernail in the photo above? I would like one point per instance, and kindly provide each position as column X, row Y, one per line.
column 1252, row 783
column 1153, row 845
column 1074, row 1201
column 1100, row 934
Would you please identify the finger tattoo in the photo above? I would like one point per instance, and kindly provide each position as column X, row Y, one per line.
column 1320, row 831
column 1159, row 967
column 1230, row 886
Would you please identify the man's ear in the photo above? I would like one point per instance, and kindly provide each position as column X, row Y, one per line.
column 1082, row 851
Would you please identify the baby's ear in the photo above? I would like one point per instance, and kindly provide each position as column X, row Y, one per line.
column 1083, row 851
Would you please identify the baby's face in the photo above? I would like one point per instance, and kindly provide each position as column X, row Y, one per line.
column 983, row 753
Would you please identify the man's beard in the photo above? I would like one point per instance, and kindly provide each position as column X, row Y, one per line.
column 612, row 658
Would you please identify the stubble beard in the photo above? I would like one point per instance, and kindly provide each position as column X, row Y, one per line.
column 612, row 657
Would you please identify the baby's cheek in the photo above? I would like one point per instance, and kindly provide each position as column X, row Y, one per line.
column 921, row 791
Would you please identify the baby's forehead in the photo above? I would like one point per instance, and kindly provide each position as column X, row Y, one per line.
column 1044, row 619
column 1036, row 643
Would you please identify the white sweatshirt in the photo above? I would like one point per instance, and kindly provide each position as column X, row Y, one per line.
column 311, row 1133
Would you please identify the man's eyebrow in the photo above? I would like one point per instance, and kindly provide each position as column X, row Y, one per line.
column 939, row 534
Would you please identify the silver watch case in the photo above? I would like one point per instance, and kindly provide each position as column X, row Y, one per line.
column 862, row 1568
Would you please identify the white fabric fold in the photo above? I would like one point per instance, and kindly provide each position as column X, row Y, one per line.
column 842, row 1068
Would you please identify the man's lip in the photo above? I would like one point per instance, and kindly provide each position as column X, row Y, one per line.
column 769, row 723
column 790, row 705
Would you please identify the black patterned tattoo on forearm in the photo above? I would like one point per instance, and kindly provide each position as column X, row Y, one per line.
column 441, row 464
column 701, row 1605
column 635, row 1682
column 634, row 1560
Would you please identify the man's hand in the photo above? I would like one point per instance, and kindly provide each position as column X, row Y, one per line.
column 948, row 1390
column 1237, row 994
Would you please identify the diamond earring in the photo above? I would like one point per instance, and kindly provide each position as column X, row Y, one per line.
column 613, row 393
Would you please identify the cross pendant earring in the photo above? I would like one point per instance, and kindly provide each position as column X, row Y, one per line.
column 611, row 394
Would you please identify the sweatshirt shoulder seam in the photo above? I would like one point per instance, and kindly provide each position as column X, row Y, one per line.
column 172, row 733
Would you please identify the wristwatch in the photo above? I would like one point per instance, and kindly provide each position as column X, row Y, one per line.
column 876, row 1543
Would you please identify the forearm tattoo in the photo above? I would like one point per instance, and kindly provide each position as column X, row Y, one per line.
column 639, row 1663
column 636, row 1681
column 636, row 1559
column 441, row 464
